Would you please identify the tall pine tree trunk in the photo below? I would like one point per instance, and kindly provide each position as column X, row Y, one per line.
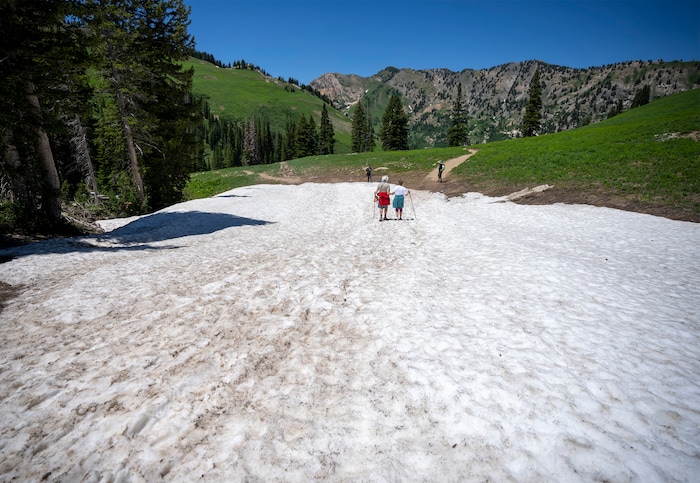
column 51, row 195
column 126, row 129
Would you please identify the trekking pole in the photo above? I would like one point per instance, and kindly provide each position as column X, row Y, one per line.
column 414, row 210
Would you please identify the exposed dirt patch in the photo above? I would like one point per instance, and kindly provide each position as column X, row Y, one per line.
column 450, row 164
column 7, row 292
column 694, row 135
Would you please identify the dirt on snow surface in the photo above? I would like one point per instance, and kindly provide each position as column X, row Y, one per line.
column 283, row 333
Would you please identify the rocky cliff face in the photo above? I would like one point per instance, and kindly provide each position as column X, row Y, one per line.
column 495, row 98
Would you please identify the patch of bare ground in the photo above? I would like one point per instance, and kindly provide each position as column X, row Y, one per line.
column 7, row 292
column 601, row 198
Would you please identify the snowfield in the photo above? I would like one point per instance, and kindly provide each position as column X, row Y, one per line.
column 283, row 333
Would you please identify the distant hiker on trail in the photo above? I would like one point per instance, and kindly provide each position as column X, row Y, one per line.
column 441, row 168
column 368, row 169
column 399, row 193
column 381, row 196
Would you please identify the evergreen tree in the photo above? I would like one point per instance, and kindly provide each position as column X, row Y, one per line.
column 300, row 142
column 41, row 82
column 144, row 86
column 641, row 97
column 279, row 148
column 266, row 146
column 326, row 134
column 236, row 141
column 306, row 137
column 394, row 133
column 312, row 137
column 533, row 108
column 457, row 132
column 369, row 132
column 172, row 145
column 358, row 135
column 616, row 109
column 289, row 139
column 251, row 155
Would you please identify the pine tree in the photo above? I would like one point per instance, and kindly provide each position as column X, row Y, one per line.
column 306, row 137
column 369, row 133
column 41, row 82
column 326, row 134
column 265, row 143
column 299, row 137
column 312, row 146
column 533, row 108
column 641, row 97
column 251, row 154
column 359, row 130
column 394, row 133
column 289, row 139
column 457, row 132
column 141, row 44
column 172, row 146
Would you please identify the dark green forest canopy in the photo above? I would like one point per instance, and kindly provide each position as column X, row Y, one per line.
column 94, row 91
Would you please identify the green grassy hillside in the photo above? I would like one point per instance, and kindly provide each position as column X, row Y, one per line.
column 649, row 155
column 646, row 159
column 242, row 94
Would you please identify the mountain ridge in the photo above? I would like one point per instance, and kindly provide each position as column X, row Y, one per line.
column 495, row 98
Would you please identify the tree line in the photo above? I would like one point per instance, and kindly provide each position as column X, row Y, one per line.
column 251, row 141
column 93, row 98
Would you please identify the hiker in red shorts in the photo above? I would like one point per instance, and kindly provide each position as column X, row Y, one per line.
column 381, row 196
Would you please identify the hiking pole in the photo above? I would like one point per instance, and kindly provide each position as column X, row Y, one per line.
column 414, row 210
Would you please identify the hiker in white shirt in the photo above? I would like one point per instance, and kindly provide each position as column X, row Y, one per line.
column 399, row 192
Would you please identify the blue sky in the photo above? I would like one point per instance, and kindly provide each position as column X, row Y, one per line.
column 305, row 39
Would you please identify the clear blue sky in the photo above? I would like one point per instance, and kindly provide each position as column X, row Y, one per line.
column 305, row 39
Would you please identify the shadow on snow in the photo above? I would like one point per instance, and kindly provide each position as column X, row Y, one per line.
column 168, row 226
column 138, row 234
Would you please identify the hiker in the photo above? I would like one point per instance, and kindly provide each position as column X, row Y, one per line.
column 368, row 169
column 381, row 196
column 441, row 168
column 399, row 192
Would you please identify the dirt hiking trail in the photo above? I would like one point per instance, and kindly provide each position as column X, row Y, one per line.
column 450, row 164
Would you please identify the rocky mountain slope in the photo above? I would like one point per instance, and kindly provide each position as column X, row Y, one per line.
column 495, row 98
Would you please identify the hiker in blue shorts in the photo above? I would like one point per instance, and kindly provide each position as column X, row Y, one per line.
column 399, row 193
